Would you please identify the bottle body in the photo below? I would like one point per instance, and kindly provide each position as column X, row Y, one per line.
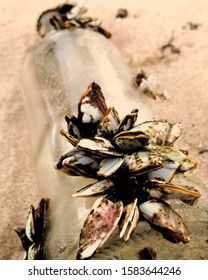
column 56, row 73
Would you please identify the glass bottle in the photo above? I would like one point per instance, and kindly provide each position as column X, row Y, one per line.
column 56, row 72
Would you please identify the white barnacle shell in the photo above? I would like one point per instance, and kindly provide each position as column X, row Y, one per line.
column 130, row 220
column 98, row 145
column 174, row 133
column 163, row 216
column 160, row 132
column 92, row 105
column 30, row 224
column 108, row 124
column 76, row 12
column 165, row 173
column 91, row 114
column 97, row 188
column 142, row 162
column 77, row 163
column 113, row 117
column 100, row 223
column 161, row 190
column 33, row 251
column 148, row 85
column 128, row 121
column 170, row 154
column 109, row 166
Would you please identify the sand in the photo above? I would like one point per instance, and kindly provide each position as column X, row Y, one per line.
column 139, row 37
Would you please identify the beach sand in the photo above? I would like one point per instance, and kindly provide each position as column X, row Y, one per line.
column 181, row 71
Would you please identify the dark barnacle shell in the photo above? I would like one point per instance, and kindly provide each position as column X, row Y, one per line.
column 91, row 109
column 133, row 165
column 147, row 253
column 122, row 13
column 73, row 126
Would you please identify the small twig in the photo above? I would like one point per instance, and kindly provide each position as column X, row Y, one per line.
column 170, row 45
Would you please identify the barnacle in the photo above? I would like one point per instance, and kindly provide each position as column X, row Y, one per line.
column 33, row 235
column 133, row 165
column 68, row 16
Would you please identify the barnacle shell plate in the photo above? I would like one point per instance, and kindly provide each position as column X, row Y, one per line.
column 162, row 215
column 99, row 224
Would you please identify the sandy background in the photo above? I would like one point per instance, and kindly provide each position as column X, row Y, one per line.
column 139, row 37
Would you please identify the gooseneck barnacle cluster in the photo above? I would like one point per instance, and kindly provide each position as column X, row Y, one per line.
column 132, row 164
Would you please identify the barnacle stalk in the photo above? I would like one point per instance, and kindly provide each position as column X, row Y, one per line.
column 132, row 164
